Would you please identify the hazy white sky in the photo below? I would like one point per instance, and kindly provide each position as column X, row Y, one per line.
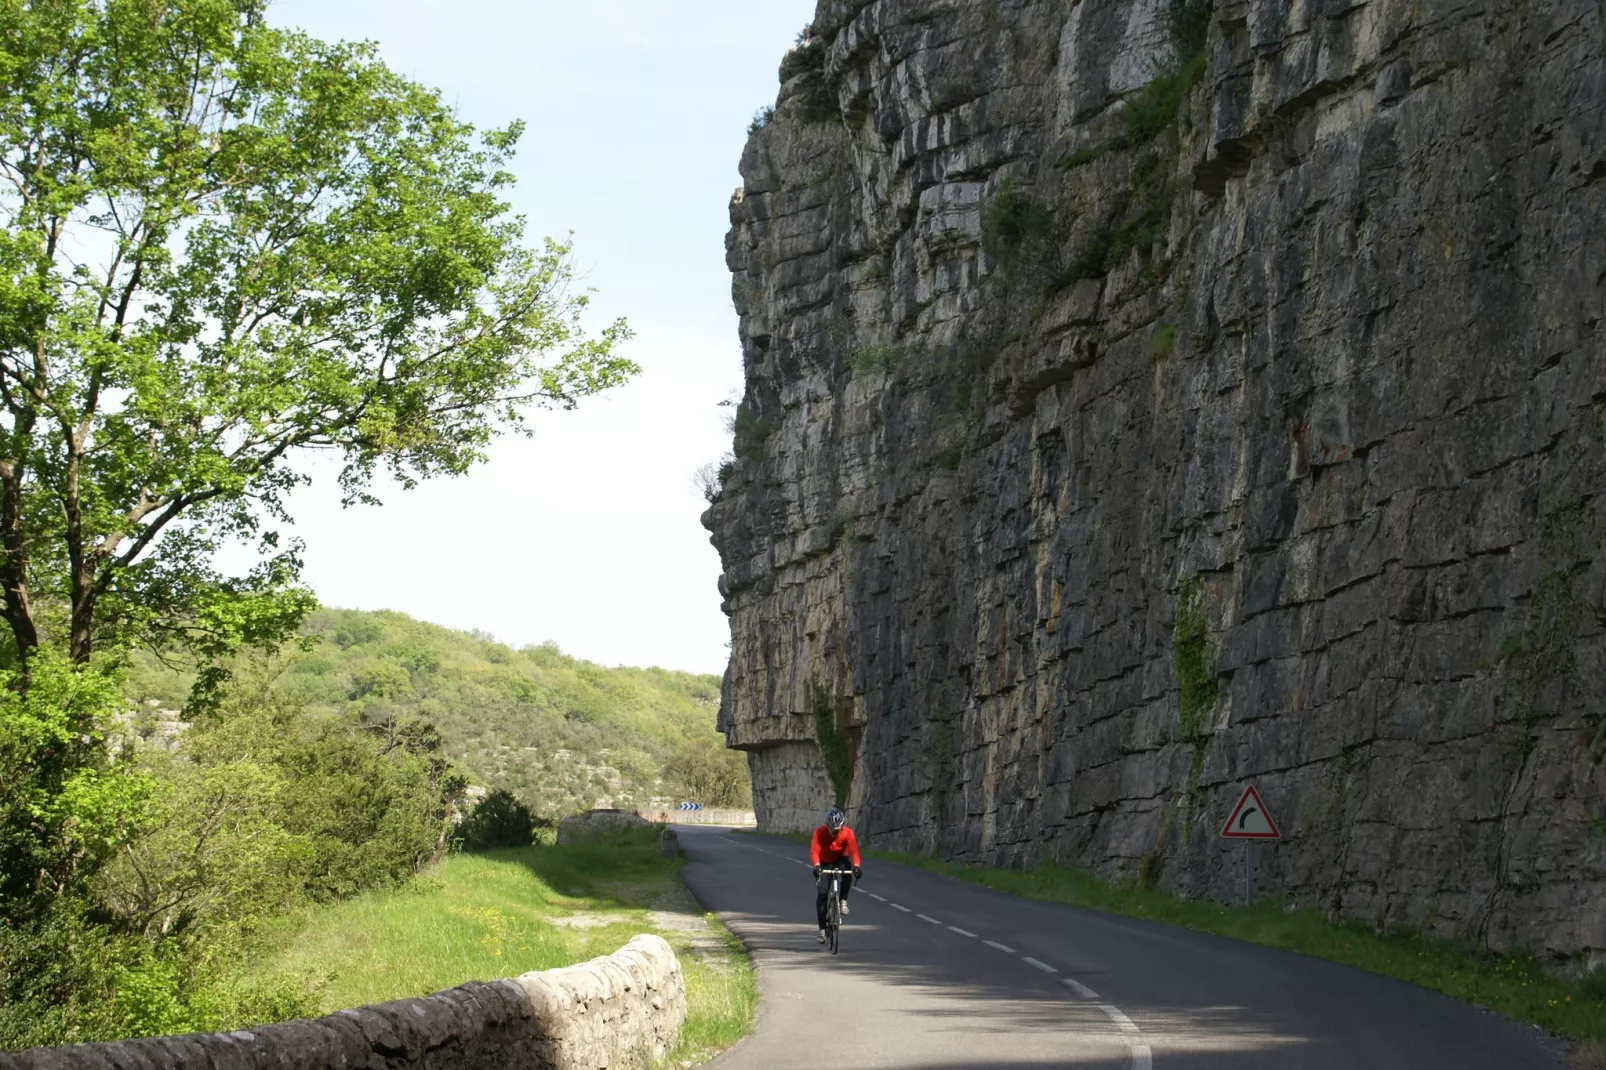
column 588, row 533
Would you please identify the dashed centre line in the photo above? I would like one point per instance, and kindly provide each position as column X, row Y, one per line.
column 1122, row 1022
column 1142, row 1055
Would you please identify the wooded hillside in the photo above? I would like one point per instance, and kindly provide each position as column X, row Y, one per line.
column 561, row 733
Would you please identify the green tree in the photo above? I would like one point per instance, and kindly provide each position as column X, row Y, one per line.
column 705, row 771
column 66, row 803
column 223, row 245
column 499, row 820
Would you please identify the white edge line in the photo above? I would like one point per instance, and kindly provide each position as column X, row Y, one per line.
column 1122, row 1022
column 1079, row 988
column 1005, row 948
column 923, row 917
column 900, row 906
column 961, row 932
column 1142, row 1057
column 877, row 898
column 1045, row 967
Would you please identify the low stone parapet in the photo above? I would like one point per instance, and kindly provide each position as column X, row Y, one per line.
column 620, row 1011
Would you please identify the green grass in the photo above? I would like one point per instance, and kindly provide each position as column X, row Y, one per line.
column 480, row 917
column 1515, row 986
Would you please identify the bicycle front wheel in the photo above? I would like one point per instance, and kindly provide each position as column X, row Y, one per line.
column 833, row 926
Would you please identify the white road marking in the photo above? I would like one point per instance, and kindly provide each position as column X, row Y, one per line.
column 1142, row 1054
column 1122, row 1022
column 1079, row 988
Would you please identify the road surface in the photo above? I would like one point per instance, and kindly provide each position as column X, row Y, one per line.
column 938, row 974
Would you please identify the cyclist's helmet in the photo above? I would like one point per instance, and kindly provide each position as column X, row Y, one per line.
column 834, row 819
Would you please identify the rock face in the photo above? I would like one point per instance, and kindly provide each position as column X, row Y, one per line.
column 1147, row 398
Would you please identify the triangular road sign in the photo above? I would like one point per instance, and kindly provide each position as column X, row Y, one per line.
column 1249, row 820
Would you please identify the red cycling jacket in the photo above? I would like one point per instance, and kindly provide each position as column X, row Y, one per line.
column 825, row 848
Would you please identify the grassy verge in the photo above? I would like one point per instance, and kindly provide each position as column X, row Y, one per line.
column 502, row 913
column 1511, row 985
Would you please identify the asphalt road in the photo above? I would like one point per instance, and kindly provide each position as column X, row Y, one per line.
column 935, row 973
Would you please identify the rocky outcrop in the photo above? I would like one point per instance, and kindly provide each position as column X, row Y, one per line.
column 1144, row 398
column 622, row 1011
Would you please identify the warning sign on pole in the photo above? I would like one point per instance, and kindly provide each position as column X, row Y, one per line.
column 1250, row 819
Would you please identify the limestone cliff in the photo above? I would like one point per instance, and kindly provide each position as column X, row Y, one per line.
column 1145, row 397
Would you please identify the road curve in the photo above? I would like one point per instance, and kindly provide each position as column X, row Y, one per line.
column 938, row 974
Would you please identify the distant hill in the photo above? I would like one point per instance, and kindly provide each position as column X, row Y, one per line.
column 561, row 733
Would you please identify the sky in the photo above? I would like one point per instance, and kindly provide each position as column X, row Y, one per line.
column 587, row 534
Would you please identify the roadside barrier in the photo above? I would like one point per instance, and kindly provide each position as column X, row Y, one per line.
column 621, row 1011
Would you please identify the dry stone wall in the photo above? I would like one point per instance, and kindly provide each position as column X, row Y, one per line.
column 1148, row 397
column 622, row 1011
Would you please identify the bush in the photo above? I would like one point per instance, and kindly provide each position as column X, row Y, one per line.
column 499, row 820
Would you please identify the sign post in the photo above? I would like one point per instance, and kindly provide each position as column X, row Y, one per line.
column 1250, row 821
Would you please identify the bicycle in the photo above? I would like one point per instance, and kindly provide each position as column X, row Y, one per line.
column 833, row 903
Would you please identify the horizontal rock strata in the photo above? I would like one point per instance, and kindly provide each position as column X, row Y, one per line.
column 1144, row 399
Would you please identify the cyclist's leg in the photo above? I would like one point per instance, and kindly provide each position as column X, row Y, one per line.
column 820, row 887
column 847, row 885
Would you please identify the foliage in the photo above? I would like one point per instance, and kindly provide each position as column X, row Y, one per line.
column 66, row 803
column 65, row 979
column 1189, row 24
column 749, row 433
column 835, row 750
column 559, row 733
column 1512, row 985
column 500, row 913
column 761, row 119
column 709, row 479
column 255, row 811
column 498, row 820
column 1165, row 339
column 1022, row 233
column 881, row 358
column 814, row 94
column 229, row 245
column 708, row 772
column 1194, row 664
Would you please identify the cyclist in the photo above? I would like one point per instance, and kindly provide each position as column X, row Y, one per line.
column 832, row 842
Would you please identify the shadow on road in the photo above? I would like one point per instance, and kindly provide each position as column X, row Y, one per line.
column 1197, row 1002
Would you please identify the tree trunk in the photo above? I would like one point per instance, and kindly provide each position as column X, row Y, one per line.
column 82, row 636
column 14, row 564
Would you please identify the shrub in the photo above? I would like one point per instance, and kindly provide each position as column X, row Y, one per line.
column 881, row 357
column 500, row 820
column 1022, row 233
